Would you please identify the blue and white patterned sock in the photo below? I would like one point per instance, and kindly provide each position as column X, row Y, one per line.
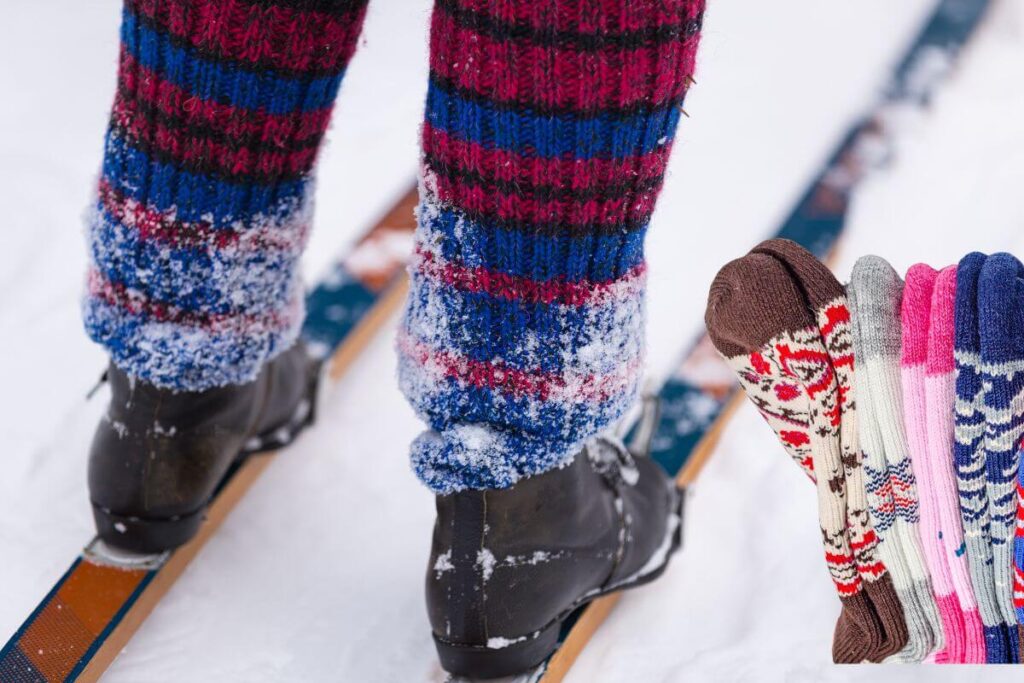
column 1001, row 331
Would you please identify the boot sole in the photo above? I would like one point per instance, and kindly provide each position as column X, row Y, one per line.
column 155, row 535
column 511, row 656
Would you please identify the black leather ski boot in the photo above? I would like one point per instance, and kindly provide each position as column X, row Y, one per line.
column 158, row 456
column 509, row 566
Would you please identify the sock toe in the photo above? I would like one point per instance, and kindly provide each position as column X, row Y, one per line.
column 858, row 632
column 887, row 607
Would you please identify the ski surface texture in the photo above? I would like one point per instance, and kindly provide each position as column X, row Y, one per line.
column 100, row 602
column 700, row 396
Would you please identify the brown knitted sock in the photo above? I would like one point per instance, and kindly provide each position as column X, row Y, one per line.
column 858, row 631
column 760, row 322
column 889, row 609
column 826, row 297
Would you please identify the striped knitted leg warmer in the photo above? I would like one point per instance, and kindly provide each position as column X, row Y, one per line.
column 823, row 295
column 940, row 399
column 760, row 323
column 969, row 461
column 548, row 127
column 1001, row 327
column 915, row 312
column 874, row 295
column 203, row 204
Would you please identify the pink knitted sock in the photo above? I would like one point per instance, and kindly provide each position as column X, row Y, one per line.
column 940, row 397
column 915, row 313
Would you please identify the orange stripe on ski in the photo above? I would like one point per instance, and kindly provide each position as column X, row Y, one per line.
column 69, row 624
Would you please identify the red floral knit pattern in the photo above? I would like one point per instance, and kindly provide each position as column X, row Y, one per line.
column 793, row 385
column 836, row 333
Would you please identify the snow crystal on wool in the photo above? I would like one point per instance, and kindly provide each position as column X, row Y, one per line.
column 189, row 306
column 511, row 373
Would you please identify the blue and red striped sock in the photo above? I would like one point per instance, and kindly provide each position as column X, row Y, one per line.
column 548, row 127
column 203, row 204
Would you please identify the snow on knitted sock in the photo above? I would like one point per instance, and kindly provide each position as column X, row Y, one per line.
column 759, row 322
column 915, row 312
column 204, row 198
column 874, row 295
column 969, row 461
column 548, row 128
column 940, row 399
column 1001, row 330
column 825, row 297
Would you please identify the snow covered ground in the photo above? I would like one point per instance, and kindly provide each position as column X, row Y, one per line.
column 317, row 575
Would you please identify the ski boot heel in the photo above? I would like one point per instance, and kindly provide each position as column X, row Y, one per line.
column 160, row 457
column 146, row 536
column 501, row 656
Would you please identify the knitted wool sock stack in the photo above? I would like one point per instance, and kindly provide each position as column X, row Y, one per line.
column 940, row 399
column 1001, row 328
column 760, row 323
column 969, row 461
column 203, row 202
column 548, row 127
column 874, row 295
column 823, row 294
column 915, row 312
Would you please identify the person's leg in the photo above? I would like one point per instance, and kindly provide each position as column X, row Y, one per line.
column 204, row 197
column 548, row 128
column 202, row 213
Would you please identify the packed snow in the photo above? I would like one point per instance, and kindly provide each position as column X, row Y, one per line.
column 318, row 573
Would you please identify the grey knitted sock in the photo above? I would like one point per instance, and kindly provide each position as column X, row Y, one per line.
column 874, row 295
